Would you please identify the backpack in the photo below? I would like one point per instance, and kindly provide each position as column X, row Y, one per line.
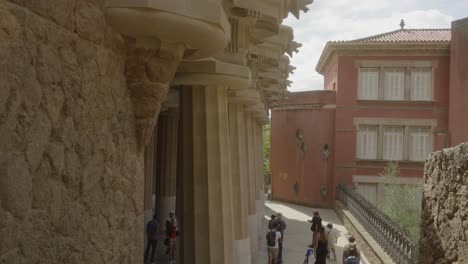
column 271, row 238
column 352, row 260
column 352, row 255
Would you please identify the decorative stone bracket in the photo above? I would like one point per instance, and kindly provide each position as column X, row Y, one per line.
column 149, row 73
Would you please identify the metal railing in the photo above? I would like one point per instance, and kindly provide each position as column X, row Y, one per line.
column 391, row 237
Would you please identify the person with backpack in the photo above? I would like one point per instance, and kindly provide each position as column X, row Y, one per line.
column 316, row 224
column 351, row 254
column 273, row 238
column 282, row 226
column 152, row 228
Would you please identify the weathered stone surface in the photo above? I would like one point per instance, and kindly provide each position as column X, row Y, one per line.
column 71, row 178
column 444, row 227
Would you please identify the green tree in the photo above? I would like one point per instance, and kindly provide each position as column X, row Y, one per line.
column 401, row 202
column 266, row 156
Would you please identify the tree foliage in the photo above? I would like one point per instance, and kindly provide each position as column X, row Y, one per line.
column 401, row 202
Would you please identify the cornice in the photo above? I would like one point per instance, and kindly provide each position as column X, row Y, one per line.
column 333, row 49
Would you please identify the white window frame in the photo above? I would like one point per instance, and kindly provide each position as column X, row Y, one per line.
column 421, row 84
column 420, row 143
column 394, row 84
column 367, row 142
column 393, row 142
column 368, row 88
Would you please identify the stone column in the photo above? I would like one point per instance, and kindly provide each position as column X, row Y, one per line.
column 150, row 153
column 207, row 205
column 167, row 161
column 204, row 175
column 252, row 218
column 259, row 176
column 239, row 178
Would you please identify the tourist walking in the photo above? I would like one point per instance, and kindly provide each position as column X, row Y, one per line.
column 273, row 239
column 271, row 222
column 332, row 238
column 321, row 246
column 281, row 227
column 351, row 253
column 316, row 224
column 152, row 228
column 171, row 236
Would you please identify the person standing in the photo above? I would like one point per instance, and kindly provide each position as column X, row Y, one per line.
column 321, row 244
column 152, row 228
column 281, row 227
column 351, row 254
column 316, row 224
column 273, row 239
column 171, row 236
column 332, row 238
column 271, row 222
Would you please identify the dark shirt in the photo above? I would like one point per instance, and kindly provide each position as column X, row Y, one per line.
column 152, row 229
column 282, row 224
column 270, row 223
column 316, row 223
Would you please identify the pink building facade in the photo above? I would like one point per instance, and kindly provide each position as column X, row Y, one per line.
column 392, row 102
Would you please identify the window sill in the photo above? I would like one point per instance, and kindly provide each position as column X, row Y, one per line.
column 387, row 161
column 395, row 102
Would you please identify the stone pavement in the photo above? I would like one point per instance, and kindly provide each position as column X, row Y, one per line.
column 298, row 235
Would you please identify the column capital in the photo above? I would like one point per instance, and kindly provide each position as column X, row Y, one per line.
column 212, row 72
column 202, row 27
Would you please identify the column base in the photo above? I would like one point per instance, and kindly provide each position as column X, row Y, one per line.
column 254, row 243
column 242, row 251
column 165, row 204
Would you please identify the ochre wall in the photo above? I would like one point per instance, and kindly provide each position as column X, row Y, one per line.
column 71, row 181
column 287, row 166
column 348, row 108
column 459, row 83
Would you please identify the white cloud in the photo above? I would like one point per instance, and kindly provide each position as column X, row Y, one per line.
column 346, row 19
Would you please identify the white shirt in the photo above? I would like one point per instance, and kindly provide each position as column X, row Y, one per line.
column 277, row 237
column 332, row 235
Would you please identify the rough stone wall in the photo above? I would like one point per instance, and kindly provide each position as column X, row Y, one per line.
column 444, row 227
column 71, row 181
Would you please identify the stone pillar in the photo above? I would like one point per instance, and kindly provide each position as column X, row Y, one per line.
column 167, row 161
column 149, row 177
column 207, row 235
column 239, row 178
column 252, row 218
column 260, row 178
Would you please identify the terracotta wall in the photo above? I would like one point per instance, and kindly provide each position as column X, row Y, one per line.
column 459, row 83
column 287, row 166
column 348, row 108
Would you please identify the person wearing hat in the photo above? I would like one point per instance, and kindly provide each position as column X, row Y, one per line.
column 316, row 224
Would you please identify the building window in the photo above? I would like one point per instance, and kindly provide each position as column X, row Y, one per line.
column 368, row 191
column 394, row 84
column 367, row 142
column 421, row 143
column 421, row 84
column 368, row 83
column 393, row 143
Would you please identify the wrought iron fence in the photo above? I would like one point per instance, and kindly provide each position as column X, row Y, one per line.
column 391, row 237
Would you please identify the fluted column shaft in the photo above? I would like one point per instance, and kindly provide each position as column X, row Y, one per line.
column 252, row 218
column 167, row 162
column 207, row 237
column 239, row 178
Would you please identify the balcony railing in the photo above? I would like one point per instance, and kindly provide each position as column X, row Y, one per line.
column 391, row 237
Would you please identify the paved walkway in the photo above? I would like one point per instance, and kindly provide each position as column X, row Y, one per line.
column 298, row 235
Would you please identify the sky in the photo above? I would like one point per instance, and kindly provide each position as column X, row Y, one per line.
column 351, row 19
